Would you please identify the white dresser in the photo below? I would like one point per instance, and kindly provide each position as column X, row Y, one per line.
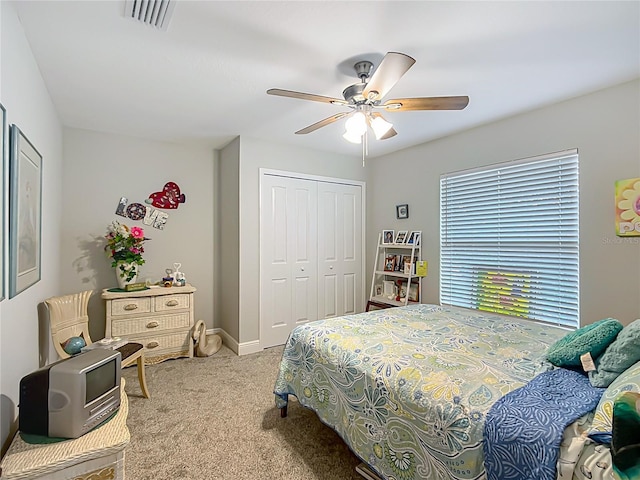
column 160, row 318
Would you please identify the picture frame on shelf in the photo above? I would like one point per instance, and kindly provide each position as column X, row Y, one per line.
column 402, row 211
column 388, row 288
column 387, row 237
column 25, row 212
column 414, row 292
column 401, row 237
column 414, row 237
column 378, row 290
column 389, row 263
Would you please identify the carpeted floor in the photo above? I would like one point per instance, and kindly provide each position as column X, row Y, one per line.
column 215, row 419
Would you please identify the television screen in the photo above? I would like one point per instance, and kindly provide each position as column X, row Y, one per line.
column 100, row 380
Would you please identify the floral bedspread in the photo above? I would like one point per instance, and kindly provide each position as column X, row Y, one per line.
column 408, row 388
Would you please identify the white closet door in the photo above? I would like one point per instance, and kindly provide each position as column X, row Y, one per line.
column 340, row 245
column 288, row 257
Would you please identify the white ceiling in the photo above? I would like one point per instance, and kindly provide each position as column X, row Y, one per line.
column 205, row 78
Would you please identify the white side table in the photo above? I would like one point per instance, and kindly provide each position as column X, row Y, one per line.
column 97, row 454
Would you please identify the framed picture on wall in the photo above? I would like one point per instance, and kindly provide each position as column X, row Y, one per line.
column 4, row 166
column 25, row 212
column 402, row 211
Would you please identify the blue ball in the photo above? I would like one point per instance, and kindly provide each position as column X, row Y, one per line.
column 74, row 345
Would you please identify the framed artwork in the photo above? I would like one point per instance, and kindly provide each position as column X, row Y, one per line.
column 387, row 237
column 25, row 212
column 628, row 207
column 390, row 263
column 414, row 237
column 378, row 291
column 4, row 165
column 402, row 211
column 402, row 236
column 414, row 292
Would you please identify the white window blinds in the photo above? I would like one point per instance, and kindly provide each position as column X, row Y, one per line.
column 509, row 238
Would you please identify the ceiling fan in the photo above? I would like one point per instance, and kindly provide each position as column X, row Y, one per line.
column 365, row 99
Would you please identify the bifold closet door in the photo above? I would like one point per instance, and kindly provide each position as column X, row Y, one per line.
column 340, row 246
column 288, row 257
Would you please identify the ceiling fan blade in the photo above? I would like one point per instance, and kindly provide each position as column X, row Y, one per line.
column 305, row 96
column 323, row 123
column 426, row 103
column 392, row 67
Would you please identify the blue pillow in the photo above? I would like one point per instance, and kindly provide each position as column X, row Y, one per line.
column 593, row 338
column 623, row 352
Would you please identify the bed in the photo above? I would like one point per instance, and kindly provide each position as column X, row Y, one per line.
column 408, row 388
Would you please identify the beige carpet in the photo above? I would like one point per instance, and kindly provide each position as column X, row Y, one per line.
column 215, row 418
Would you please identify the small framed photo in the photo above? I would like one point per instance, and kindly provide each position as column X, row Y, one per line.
column 414, row 292
column 402, row 236
column 414, row 237
column 402, row 211
column 390, row 263
column 378, row 291
column 387, row 237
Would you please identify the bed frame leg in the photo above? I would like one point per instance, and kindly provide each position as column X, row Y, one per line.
column 283, row 412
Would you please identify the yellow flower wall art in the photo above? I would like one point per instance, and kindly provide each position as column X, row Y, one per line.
column 628, row 207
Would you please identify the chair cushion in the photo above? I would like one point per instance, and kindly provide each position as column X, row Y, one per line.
column 594, row 338
column 623, row 352
column 129, row 349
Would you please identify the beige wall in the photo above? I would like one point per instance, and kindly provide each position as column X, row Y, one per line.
column 604, row 126
column 29, row 106
column 228, row 207
column 99, row 168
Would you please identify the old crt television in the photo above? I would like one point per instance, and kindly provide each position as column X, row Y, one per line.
column 72, row 396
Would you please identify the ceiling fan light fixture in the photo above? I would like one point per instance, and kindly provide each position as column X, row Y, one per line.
column 356, row 124
column 380, row 126
column 352, row 137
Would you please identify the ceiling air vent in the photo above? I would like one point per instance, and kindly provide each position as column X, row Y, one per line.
column 156, row 13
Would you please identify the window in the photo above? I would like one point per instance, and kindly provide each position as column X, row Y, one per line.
column 509, row 238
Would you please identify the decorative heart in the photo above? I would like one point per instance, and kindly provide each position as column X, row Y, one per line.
column 170, row 197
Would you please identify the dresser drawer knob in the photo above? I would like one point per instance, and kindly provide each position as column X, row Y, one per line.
column 153, row 344
column 131, row 306
column 171, row 303
column 152, row 324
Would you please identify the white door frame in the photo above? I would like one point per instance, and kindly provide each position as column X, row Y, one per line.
column 319, row 178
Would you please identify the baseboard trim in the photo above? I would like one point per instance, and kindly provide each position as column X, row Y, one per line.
column 245, row 348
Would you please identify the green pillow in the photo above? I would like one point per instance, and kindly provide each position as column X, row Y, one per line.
column 625, row 443
column 623, row 352
column 594, row 338
column 628, row 381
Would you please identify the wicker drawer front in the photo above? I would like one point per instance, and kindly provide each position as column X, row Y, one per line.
column 132, row 326
column 130, row 306
column 171, row 302
column 158, row 344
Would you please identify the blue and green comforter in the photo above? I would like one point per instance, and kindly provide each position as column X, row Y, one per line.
column 408, row 388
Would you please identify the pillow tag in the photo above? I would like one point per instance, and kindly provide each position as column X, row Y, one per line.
column 587, row 362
